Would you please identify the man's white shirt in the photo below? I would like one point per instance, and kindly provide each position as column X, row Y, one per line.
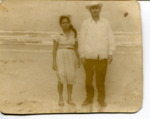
column 96, row 39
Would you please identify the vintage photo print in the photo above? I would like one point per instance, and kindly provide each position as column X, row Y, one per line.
column 70, row 56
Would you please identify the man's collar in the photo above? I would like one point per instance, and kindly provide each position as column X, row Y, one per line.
column 94, row 21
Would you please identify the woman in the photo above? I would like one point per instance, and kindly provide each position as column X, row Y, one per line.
column 66, row 58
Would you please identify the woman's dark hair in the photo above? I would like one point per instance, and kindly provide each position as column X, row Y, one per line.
column 71, row 26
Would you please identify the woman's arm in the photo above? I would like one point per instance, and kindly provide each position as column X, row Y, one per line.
column 77, row 54
column 55, row 47
column 76, row 49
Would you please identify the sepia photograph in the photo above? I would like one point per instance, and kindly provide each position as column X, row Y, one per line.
column 70, row 57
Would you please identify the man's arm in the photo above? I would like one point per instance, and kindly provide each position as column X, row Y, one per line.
column 111, row 43
column 81, row 42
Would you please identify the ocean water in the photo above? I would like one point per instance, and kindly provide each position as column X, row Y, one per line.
column 45, row 38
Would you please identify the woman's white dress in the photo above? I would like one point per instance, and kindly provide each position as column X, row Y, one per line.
column 66, row 58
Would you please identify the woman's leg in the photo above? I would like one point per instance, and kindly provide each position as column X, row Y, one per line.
column 60, row 91
column 69, row 89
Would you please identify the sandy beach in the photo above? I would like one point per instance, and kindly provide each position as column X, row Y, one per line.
column 28, row 85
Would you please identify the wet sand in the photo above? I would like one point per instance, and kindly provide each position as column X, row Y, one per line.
column 28, row 85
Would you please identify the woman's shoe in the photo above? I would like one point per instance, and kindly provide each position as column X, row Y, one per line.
column 71, row 103
column 61, row 103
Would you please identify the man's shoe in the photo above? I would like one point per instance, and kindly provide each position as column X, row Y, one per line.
column 102, row 103
column 86, row 102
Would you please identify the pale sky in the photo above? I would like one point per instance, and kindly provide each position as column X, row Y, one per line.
column 43, row 15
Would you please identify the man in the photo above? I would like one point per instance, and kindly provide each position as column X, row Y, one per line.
column 96, row 45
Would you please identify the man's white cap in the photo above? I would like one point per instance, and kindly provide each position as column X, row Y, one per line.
column 94, row 3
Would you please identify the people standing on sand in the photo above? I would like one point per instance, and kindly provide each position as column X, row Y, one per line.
column 66, row 58
column 96, row 46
